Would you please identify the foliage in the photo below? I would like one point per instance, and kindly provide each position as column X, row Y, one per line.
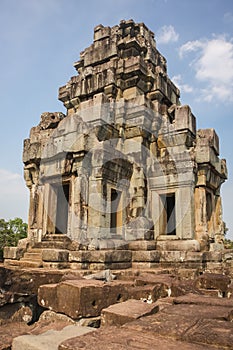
column 10, row 233
column 228, row 244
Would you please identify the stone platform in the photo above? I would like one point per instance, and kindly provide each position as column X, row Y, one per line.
column 59, row 252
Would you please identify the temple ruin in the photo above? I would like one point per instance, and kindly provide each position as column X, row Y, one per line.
column 123, row 179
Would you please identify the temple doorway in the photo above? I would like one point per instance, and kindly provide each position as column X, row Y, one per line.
column 116, row 212
column 63, row 193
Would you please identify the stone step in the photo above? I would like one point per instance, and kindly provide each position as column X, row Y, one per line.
column 145, row 256
column 11, row 262
column 32, row 256
column 142, row 245
column 30, row 263
column 34, row 250
column 56, row 237
column 52, row 245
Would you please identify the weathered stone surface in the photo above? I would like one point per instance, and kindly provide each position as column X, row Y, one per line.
column 49, row 340
column 130, row 310
column 186, row 245
column 113, row 338
column 82, row 298
column 55, row 255
column 24, row 282
column 194, row 310
column 142, row 245
column 7, row 333
column 17, row 312
column 109, row 256
column 148, row 292
column 146, row 256
column 203, row 300
column 213, row 281
column 48, row 321
column 214, row 332
column 14, row 253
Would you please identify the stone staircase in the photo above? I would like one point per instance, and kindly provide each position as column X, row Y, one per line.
column 57, row 251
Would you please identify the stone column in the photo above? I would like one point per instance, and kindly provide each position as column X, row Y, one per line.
column 97, row 204
column 201, row 217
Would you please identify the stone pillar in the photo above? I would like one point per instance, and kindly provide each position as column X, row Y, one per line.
column 97, row 205
column 201, row 217
column 50, row 207
column 219, row 224
column 77, row 225
column 184, row 213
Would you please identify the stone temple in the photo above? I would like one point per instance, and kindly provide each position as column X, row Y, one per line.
column 123, row 179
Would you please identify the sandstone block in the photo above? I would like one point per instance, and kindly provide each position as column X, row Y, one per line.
column 212, row 332
column 110, row 338
column 98, row 256
column 194, row 310
column 82, row 298
column 206, row 300
column 173, row 256
column 179, row 245
column 149, row 292
column 55, row 255
column 130, row 310
column 146, row 256
column 49, row 340
column 142, row 245
column 14, row 253
column 212, row 256
column 213, row 281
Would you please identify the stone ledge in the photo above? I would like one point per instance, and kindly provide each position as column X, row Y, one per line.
column 178, row 245
column 100, row 256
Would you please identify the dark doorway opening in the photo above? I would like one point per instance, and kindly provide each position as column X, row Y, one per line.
column 169, row 214
column 116, row 211
column 63, row 193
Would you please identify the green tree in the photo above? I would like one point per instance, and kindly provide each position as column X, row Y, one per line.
column 10, row 233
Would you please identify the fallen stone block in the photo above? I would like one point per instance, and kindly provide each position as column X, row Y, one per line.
column 130, row 310
column 49, row 340
column 163, row 324
column 17, row 312
column 191, row 298
column 82, row 298
column 148, row 292
column 196, row 311
column 214, row 332
column 213, row 281
column 113, row 338
column 7, row 333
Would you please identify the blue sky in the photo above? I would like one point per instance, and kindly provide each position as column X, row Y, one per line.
column 40, row 40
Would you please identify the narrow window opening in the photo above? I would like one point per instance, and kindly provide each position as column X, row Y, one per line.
column 208, row 206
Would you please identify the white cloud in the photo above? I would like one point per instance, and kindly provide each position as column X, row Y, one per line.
column 191, row 46
column 177, row 80
column 13, row 195
column 166, row 34
column 213, row 65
